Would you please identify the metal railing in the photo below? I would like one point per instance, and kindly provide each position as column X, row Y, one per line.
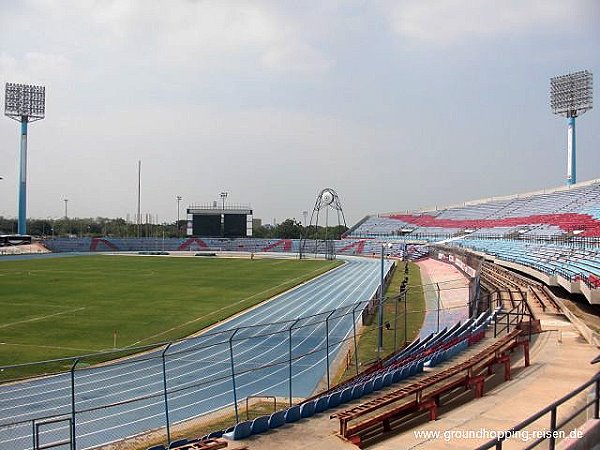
column 555, row 429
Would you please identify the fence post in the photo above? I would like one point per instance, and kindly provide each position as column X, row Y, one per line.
column 597, row 401
column 354, row 334
column 552, row 443
column 290, row 359
column 164, row 367
column 396, row 325
column 496, row 325
column 73, row 436
column 438, row 306
column 405, row 316
column 237, row 417
column 327, row 344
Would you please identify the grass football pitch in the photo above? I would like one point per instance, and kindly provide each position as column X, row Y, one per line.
column 63, row 307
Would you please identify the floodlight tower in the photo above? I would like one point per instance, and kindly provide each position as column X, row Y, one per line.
column 570, row 96
column 24, row 103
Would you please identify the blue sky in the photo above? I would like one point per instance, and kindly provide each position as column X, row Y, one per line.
column 394, row 104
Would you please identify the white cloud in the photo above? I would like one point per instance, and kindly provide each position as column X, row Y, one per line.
column 33, row 67
column 443, row 22
column 183, row 34
column 296, row 57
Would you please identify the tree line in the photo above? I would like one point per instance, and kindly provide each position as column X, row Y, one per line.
column 292, row 229
column 102, row 226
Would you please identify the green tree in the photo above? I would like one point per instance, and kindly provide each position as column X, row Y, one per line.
column 289, row 229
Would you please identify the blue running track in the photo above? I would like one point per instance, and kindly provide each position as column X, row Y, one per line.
column 124, row 399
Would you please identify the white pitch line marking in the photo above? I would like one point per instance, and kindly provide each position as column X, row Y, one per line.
column 49, row 346
column 47, row 316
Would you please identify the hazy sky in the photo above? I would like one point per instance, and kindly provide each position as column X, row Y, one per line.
column 394, row 104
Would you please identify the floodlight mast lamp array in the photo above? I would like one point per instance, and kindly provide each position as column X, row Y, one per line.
column 571, row 95
column 24, row 103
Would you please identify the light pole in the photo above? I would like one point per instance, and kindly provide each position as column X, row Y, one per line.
column 223, row 195
column 570, row 96
column 381, row 299
column 68, row 228
column 179, row 197
column 24, row 103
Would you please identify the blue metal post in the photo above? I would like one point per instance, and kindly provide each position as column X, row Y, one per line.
column 235, row 402
column 22, row 227
column 405, row 316
column 290, row 359
column 438, row 306
column 73, row 434
column 327, row 345
column 165, row 392
column 571, row 154
column 380, row 322
column 354, row 333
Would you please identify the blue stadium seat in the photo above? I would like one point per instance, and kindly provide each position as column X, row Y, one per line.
column 397, row 374
column 157, row 447
column 178, row 443
column 357, row 391
column 412, row 369
column 240, row 431
column 215, row 434
column 292, row 414
column 346, row 395
column 307, row 409
column 277, row 419
column 388, row 378
column 333, row 400
column 259, row 425
column 321, row 404
column 368, row 387
column 378, row 382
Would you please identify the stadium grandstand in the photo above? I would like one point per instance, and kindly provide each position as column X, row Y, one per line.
column 553, row 235
column 568, row 211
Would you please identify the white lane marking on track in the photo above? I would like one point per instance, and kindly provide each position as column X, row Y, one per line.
column 47, row 316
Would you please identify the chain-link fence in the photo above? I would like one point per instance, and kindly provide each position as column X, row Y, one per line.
column 204, row 382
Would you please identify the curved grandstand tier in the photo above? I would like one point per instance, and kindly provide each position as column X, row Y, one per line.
column 349, row 247
column 552, row 235
column 573, row 210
